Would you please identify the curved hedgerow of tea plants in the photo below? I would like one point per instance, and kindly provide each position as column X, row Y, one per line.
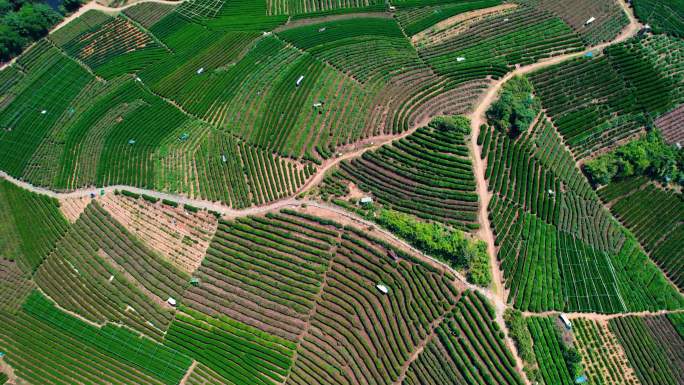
column 116, row 342
column 31, row 226
column 650, row 362
column 655, row 216
column 15, row 286
column 104, row 145
column 241, row 175
column 237, row 352
column 471, row 340
column 492, row 46
column 357, row 326
column 366, row 48
column 549, row 348
column 427, row 174
column 115, row 47
column 417, row 19
column 148, row 14
column 605, row 360
column 44, row 354
column 50, row 84
column 664, row 16
column 609, row 18
column 271, row 268
column 110, row 279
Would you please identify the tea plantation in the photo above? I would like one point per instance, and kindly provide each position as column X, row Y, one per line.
column 342, row 192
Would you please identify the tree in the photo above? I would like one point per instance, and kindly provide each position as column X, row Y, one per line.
column 71, row 5
column 516, row 108
column 5, row 7
column 32, row 20
column 10, row 42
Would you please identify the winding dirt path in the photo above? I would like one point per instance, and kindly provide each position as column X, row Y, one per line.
column 478, row 117
column 496, row 293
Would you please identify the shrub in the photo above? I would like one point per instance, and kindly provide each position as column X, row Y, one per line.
column 516, row 108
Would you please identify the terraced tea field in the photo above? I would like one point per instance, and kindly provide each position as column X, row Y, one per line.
column 348, row 192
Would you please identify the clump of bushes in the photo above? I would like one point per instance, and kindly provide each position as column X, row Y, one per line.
column 650, row 156
column 449, row 245
column 451, row 123
column 520, row 334
column 516, row 108
column 22, row 22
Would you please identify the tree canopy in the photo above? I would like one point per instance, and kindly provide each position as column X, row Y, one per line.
column 516, row 108
column 650, row 156
column 22, row 22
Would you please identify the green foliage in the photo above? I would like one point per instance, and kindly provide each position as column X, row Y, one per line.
column 458, row 123
column 517, row 327
column 650, row 156
column 21, row 24
column 516, row 108
column 3, row 378
column 449, row 245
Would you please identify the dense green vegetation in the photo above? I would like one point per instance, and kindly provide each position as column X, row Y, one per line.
column 449, row 245
column 230, row 104
column 519, row 332
column 22, row 22
column 649, row 156
column 516, row 108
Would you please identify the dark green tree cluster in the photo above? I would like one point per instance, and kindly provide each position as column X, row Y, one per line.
column 649, row 156
column 451, row 123
column 519, row 332
column 449, row 245
column 24, row 21
column 516, row 108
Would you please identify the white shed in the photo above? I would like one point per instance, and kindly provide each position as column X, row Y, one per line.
column 460, row 59
column 566, row 321
column 199, row 71
column 366, row 200
column 299, row 80
column 383, row 289
column 171, row 301
column 591, row 20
